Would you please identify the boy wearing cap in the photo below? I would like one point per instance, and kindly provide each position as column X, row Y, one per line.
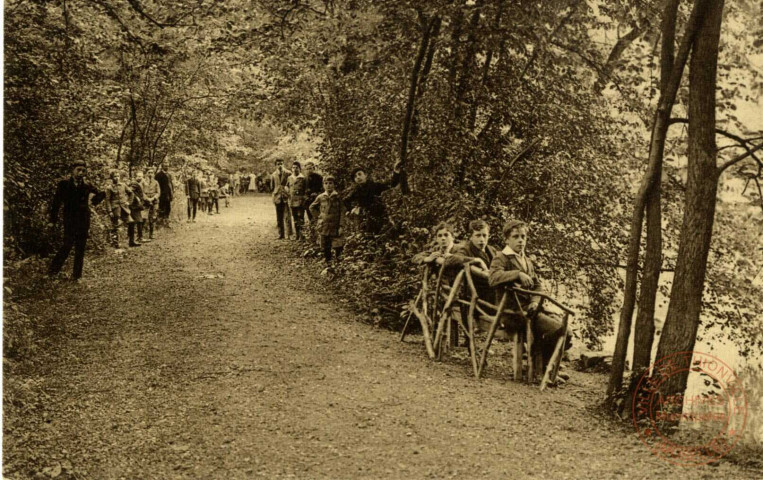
column 329, row 210
column 74, row 194
column 365, row 199
column 511, row 267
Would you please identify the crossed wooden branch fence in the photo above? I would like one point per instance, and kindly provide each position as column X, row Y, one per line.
column 440, row 326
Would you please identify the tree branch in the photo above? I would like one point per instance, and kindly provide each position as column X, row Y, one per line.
column 110, row 12
column 536, row 50
column 135, row 4
column 742, row 142
column 740, row 157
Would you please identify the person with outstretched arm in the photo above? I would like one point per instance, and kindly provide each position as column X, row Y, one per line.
column 74, row 195
column 365, row 199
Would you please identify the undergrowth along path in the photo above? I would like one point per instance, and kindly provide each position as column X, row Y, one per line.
column 215, row 352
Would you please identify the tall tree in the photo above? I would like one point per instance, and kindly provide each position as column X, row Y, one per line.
column 651, row 177
column 682, row 322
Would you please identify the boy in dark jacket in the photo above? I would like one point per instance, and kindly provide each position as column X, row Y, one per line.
column 365, row 199
column 511, row 267
column 314, row 187
column 477, row 252
column 329, row 210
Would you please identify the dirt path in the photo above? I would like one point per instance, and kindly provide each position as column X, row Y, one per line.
column 212, row 353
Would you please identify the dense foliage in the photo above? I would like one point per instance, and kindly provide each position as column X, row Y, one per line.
column 498, row 109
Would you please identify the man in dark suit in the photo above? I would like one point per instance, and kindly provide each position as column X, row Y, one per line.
column 165, row 195
column 74, row 194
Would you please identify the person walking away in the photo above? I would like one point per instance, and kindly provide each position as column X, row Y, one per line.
column 328, row 209
column 225, row 192
column 314, row 187
column 252, row 183
column 244, row 186
column 234, row 179
column 152, row 192
column 118, row 205
column 137, row 200
column 365, row 199
column 203, row 199
column 166, row 192
column 74, row 194
column 212, row 194
column 296, row 186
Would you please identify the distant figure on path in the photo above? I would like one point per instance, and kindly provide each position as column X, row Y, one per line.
column 137, row 202
column 166, row 193
column 234, row 183
column 74, row 194
column 213, row 193
column 151, row 191
column 253, row 183
column 192, row 194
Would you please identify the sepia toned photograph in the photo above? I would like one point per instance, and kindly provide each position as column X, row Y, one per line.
column 367, row 239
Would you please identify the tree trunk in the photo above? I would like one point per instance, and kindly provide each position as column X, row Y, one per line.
column 410, row 108
column 430, row 57
column 485, row 71
column 650, row 277
column 682, row 322
column 463, row 85
column 656, row 150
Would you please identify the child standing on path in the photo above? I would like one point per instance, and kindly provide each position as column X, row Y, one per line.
column 118, row 206
column 137, row 201
column 328, row 208
column 151, row 192
column 296, row 186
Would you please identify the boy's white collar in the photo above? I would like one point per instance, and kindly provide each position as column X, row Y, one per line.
column 509, row 251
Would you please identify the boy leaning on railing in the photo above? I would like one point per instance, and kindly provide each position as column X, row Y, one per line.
column 511, row 267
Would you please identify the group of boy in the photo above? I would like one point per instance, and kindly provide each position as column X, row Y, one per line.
column 505, row 268
column 203, row 192
column 296, row 195
column 135, row 204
